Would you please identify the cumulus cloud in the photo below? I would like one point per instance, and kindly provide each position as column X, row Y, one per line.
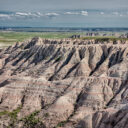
column 102, row 13
column 34, row 15
column 29, row 14
column 23, row 14
column 84, row 13
column 72, row 13
column 40, row 14
column 51, row 14
column 5, row 16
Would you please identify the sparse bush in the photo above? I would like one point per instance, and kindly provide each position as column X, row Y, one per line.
column 102, row 39
column 46, row 115
column 61, row 124
column 31, row 121
column 12, row 115
column 3, row 113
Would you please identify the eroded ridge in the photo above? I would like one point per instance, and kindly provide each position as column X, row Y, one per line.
column 72, row 83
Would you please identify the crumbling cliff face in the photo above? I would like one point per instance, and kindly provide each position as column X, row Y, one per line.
column 64, row 83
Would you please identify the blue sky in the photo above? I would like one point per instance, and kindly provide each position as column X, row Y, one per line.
column 64, row 13
column 36, row 5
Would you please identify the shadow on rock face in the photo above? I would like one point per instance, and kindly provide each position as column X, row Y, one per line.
column 4, row 83
column 81, row 124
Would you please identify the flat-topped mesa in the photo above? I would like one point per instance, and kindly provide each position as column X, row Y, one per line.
column 40, row 41
column 83, row 42
column 72, row 42
column 37, row 41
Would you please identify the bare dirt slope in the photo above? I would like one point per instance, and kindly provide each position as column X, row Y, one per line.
column 64, row 83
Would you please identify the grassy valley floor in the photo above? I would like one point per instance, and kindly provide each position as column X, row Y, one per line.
column 8, row 38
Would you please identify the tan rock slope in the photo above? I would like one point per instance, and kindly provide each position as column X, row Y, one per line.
column 64, row 83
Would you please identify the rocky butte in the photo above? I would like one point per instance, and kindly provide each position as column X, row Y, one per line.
column 69, row 83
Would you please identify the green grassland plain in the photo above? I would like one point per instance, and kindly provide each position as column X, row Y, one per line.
column 10, row 37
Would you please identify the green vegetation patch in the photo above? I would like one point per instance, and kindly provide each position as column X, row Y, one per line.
column 103, row 39
column 12, row 37
column 9, row 38
column 3, row 113
column 31, row 121
column 61, row 124
column 12, row 115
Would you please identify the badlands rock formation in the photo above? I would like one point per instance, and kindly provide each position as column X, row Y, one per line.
column 64, row 83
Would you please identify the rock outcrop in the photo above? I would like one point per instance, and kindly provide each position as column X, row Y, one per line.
column 71, row 83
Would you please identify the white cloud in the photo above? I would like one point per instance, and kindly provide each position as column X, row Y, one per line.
column 71, row 13
column 84, row 13
column 23, row 14
column 40, row 14
column 28, row 15
column 102, row 13
column 5, row 16
column 51, row 14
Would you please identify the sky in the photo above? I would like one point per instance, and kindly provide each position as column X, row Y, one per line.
column 64, row 13
column 35, row 5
